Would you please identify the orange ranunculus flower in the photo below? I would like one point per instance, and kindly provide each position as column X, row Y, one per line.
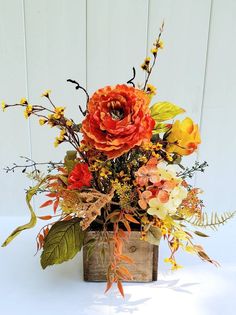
column 118, row 119
column 184, row 137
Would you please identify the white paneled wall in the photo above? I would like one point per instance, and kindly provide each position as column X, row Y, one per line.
column 97, row 42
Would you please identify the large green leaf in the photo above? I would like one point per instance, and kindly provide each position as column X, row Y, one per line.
column 163, row 111
column 29, row 195
column 62, row 243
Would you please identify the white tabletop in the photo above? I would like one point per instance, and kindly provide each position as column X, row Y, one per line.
column 197, row 289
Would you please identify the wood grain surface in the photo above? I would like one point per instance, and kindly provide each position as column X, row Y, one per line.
column 144, row 254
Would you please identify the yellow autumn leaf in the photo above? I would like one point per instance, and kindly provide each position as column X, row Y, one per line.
column 190, row 249
column 161, row 128
column 181, row 235
column 163, row 111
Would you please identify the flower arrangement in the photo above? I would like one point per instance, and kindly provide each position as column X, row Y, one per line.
column 124, row 173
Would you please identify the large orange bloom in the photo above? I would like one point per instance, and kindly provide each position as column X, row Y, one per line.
column 118, row 119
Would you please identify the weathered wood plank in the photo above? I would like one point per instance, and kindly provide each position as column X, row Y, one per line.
column 144, row 254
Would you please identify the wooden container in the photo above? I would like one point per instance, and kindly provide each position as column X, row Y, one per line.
column 144, row 254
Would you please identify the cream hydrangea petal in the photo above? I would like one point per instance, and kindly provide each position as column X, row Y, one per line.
column 154, row 203
column 160, row 212
column 152, row 211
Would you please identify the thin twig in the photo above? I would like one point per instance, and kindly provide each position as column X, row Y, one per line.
column 77, row 87
column 155, row 57
column 32, row 164
column 131, row 80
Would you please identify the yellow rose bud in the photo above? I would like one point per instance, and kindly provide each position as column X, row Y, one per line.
column 184, row 137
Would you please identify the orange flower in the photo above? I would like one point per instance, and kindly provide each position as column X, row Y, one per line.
column 118, row 119
column 80, row 176
column 184, row 137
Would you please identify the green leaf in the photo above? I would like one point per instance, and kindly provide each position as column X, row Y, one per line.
column 176, row 217
column 62, row 243
column 200, row 234
column 161, row 128
column 163, row 111
column 90, row 244
column 70, row 160
column 29, row 195
column 154, row 235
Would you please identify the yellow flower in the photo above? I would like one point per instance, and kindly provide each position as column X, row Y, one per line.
column 184, row 137
column 176, row 266
column 160, row 44
column 168, row 260
column 23, row 101
column 147, row 60
column 154, row 51
column 190, row 249
column 28, row 111
column 156, row 155
column 144, row 66
column 3, row 105
column 61, row 137
column 46, row 93
column 146, row 63
column 42, row 121
column 151, row 89
column 104, row 172
column 69, row 123
column 59, row 112
column 169, row 157
column 56, row 143
column 172, row 261
column 145, row 220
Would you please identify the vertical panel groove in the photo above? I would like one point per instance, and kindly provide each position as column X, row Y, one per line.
column 148, row 22
column 26, row 74
column 86, row 44
column 206, row 65
column 204, row 81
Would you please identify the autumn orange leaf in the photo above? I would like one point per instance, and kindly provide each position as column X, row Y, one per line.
column 126, row 224
column 55, row 205
column 111, row 215
column 120, row 287
column 131, row 218
column 45, row 217
column 109, row 285
column 127, row 259
column 45, row 231
column 122, row 234
column 47, row 203
column 125, row 271
column 51, row 195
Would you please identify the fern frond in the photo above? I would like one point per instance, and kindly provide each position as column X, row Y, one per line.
column 213, row 221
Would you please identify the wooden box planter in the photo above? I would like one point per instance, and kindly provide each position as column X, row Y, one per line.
column 144, row 254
